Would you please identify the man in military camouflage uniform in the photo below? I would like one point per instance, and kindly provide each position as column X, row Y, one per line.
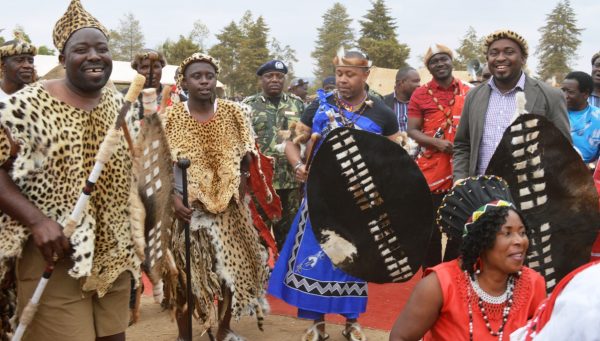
column 273, row 113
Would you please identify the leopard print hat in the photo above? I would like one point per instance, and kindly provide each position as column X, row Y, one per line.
column 75, row 18
column 17, row 46
column 506, row 34
column 196, row 57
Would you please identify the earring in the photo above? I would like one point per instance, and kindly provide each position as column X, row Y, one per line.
column 478, row 266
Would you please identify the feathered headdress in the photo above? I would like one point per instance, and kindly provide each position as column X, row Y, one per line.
column 469, row 201
column 17, row 46
column 351, row 58
column 436, row 49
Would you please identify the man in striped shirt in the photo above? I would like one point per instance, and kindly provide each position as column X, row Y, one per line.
column 594, row 99
column 407, row 80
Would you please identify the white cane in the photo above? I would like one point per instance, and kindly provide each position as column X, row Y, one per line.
column 110, row 142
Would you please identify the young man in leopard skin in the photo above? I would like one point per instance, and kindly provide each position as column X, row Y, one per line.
column 228, row 260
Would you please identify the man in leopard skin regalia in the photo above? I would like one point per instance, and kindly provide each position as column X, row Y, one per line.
column 50, row 133
column 16, row 65
column 228, row 260
column 16, row 71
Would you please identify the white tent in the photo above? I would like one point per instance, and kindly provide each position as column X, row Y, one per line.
column 122, row 73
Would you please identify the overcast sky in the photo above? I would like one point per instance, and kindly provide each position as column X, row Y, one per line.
column 420, row 23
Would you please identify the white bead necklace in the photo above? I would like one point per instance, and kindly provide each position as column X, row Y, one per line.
column 487, row 298
column 484, row 296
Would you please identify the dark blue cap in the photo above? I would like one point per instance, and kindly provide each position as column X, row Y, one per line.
column 329, row 81
column 273, row 65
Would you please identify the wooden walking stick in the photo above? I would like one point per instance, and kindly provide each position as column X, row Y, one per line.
column 314, row 139
column 183, row 164
column 107, row 148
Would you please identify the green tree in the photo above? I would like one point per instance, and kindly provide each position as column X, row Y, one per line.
column 199, row 34
column 227, row 52
column 45, row 51
column 378, row 38
column 471, row 47
column 176, row 52
column 334, row 33
column 243, row 47
column 127, row 39
column 559, row 42
column 253, row 53
column 285, row 54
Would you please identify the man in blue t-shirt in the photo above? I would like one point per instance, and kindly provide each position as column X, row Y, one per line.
column 583, row 117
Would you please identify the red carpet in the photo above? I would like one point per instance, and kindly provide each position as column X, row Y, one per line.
column 385, row 303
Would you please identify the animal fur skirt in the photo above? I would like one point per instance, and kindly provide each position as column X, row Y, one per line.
column 226, row 254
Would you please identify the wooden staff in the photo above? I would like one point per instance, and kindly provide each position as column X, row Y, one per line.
column 314, row 139
column 184, row 164
column 107, row 148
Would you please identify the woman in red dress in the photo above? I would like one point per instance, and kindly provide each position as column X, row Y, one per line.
column 486, row 293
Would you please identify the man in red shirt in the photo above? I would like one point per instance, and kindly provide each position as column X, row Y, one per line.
column 433, row 114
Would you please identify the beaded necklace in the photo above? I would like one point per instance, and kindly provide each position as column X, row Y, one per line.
column 446, row 111
column 343, row 105
column 487, row 298
column 506, row 297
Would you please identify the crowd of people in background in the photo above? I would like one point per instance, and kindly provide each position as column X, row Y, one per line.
column 451, row 128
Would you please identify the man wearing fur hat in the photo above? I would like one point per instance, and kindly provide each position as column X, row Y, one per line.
column 433, row 114
column 16, row 71
column 16, row 65
column 274, row 114
column 149, row 63
column 489, row 108
column 594, row 98
column 50, row 133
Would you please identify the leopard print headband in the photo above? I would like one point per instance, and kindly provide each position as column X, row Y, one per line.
column 16, row 47
column 196, row 57
column 506, row 34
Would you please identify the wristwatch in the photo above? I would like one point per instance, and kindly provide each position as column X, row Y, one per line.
column 298, row 164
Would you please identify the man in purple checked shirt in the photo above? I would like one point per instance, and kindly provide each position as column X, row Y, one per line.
column 489, row 108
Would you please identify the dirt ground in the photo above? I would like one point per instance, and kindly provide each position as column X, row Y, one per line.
column 156, row 325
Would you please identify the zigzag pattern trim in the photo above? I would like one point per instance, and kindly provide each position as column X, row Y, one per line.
column 312, row 286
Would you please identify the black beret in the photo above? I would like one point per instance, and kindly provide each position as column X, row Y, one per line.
column 273, row 65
